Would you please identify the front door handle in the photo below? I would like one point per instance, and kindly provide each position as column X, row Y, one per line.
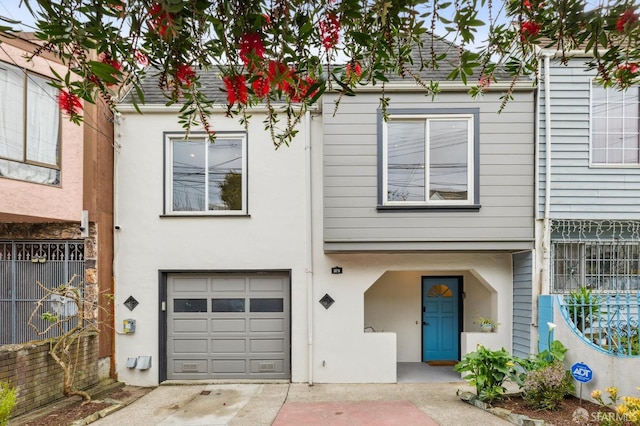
column 425, row 323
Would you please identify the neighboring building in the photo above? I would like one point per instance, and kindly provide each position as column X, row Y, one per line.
column 588, row 216
column 56, row 208
column 359, row 225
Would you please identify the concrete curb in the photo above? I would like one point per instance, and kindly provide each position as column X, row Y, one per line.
column 117, row 405
column 516, row 419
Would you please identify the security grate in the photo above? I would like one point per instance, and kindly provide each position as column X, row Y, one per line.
column 22, row 263
column 596, row 265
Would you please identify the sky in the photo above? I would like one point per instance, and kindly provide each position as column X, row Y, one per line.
column 15, row 9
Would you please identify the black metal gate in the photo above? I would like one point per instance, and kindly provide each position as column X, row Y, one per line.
column 22, row 263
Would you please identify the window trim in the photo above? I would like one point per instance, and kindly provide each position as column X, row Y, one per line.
column 167, row 208
column 473, row 181
column 593, row 164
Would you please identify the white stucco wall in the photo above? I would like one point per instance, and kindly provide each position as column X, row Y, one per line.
column 273, row 237
column 344, row 353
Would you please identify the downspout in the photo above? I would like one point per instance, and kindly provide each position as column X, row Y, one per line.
column 309, row 243
column 546, row 236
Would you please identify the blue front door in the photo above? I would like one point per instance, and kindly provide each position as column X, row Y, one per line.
column 440, row 320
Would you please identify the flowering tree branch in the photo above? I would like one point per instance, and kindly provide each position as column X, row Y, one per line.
column 283, row 52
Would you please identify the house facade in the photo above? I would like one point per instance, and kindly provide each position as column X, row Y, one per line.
column 588, row 217
column 363, row 244
column 57, row 199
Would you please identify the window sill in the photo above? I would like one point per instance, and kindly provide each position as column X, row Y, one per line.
column 203, row 215
column 464, row 208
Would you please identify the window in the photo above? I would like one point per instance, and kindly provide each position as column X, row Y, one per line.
column 29, row 127
column 614, row 126
column 599, row 266
column 430, row 159
column 207, row 178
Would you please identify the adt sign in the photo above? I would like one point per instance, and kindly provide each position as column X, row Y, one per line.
column 581, row 372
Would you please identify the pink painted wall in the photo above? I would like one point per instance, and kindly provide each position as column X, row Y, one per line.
column 25, row 201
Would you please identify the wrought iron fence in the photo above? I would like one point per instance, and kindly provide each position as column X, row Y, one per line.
column 22, row 263
column 607, row 321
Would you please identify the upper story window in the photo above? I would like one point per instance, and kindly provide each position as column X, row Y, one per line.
column 429, row 160
column 207, row 178
column 29, row 127
column 614, row 126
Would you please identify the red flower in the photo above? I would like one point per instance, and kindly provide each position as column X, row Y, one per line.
column 484, row 82
column 530, row 28
column 330, row 31
column 261, row 86
column 141, row 58
column 626, row 20
column 251, row 47
column 353, row 70
column 106, row 58
column 185, row 74
column 69, row 102
column 236, row 89
column 280, row 74
column 631, row 67
column 160, row 20
column 526, row 4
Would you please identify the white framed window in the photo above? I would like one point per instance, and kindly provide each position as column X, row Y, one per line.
column 205, row 178
column 429, row 159
column 29, row 127
column 615, row 134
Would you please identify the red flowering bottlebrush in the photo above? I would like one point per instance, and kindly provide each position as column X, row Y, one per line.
column 353, row 70
column 69, row 103
column 280, row 74
column 261, row 86
column 185, row 74
column 251, row 47
column 530, row 28
column 626, row 20
column 330, row 31
column 141, row 58
column 526, row 4
column 484, row 82
column 160, row 20
column 236, row 89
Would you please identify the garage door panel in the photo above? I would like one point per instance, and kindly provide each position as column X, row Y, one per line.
column 188, row 325
column 266, row 345
column 181, row 285
column 229, row 366
column 266, row 325
column 264, row 366
column 227, row 325
column 266, row 284
column 234, row 326
column 190, row 365
column 229, row 285
column 190, row 346
column 228, row 346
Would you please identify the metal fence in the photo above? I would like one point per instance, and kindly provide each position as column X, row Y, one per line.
column 22, row 263
column 607, row 321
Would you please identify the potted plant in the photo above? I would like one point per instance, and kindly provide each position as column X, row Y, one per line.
column 486, row 324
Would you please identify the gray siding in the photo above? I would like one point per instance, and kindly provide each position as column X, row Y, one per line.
column 579, row 191
column 522, row 303
column 505, row 218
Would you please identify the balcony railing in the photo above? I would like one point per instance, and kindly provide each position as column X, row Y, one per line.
column 606, row 321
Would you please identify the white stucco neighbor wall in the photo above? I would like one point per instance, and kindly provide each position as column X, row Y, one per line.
column 271, row 238
column 608, row 371
column 343, row 352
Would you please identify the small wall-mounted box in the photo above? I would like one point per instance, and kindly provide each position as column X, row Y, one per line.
column 144, row 362
column 131, row 362
column 129, row 326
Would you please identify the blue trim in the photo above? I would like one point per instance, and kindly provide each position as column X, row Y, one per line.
column 545, row 315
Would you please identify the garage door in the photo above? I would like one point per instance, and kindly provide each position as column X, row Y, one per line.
column 228, row 326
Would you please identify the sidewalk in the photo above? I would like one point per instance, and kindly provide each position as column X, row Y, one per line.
column 300, row 404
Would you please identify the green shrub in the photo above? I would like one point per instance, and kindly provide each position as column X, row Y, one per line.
column 7, row 402
column 546, row 387
column 487, row 370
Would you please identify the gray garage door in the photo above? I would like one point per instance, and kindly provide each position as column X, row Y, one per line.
column 228, row 326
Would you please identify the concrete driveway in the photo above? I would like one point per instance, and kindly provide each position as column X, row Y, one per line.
column 283, row 404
